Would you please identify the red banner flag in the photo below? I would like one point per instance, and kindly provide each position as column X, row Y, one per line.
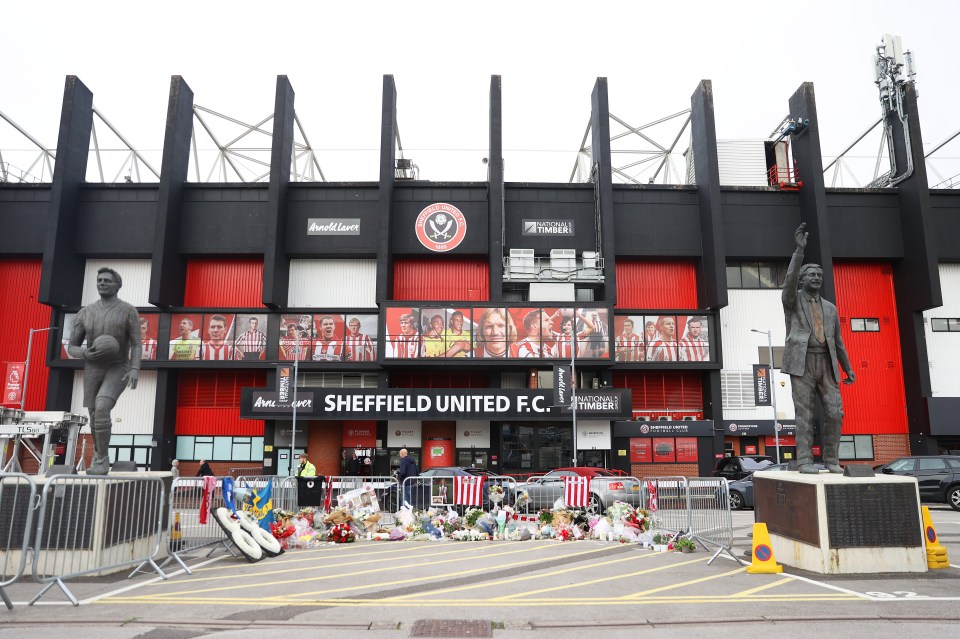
column 652, row 490
column 576, row 491
column 468, row 491
column 13, row 383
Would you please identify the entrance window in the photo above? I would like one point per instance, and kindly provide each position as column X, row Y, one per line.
column 136, row 448
column 534, row 448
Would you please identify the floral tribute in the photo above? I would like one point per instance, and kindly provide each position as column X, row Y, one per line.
column 341, row 534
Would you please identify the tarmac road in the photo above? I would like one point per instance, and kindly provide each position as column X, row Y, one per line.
column 508, row 589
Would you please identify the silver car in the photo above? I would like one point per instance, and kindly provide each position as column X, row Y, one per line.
column 605, row 488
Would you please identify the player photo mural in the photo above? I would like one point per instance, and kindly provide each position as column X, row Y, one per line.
column 185, row 342
column 458, row 337
column 293, row 328
column 250, row 343
column 218, row 341
column 360, row 341
column 433, row 324
column 402, row 334
column 68, row 321
column 495, row 331
column 529, row 323
column 629, row 344
column 594, row 325
column 148, row 335
column 663, row 346
column 694, row 345
column 328, row 329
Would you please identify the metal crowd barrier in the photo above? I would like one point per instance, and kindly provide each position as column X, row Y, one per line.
column 17, row 502
column 96, row 525
column 439, row 491
column 283, row 490
column 384, row 486
column 191, row 524
column 696, row 507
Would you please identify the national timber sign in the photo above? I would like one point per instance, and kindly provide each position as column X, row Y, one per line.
column 431, row 403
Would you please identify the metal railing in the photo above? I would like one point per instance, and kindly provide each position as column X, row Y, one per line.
column 17, row 503
column 96, row 525
column 190, row 521
column 283, row 489
column 696, row 507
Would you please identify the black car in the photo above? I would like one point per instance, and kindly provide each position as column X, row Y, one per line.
column 739, row 467
column 938, row 476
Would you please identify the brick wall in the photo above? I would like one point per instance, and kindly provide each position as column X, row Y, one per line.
column 890, row 446
column 664, row 470
column 324, row 443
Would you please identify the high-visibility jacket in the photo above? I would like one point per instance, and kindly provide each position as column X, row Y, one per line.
column 307, row 470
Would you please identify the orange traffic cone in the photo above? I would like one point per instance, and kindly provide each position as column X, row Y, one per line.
column 936, row 552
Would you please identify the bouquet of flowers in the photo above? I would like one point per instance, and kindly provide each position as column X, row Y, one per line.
column 495, row 493
column 338, row 515
column 341, row 534
column 619, row 511
column 546, row 517
column 640, row 519
column 471, row 516
column 469, row 535
column 523, row 498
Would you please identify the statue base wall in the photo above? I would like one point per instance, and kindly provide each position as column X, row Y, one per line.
column 831, row 524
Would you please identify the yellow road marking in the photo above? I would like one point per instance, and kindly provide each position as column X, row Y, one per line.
column 303, row 580
column 599, row 580
column 774, row 584
column 251, row 570
column 539, row 575
column 643, row 593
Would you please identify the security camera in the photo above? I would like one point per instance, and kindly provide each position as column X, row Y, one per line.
column 484, row 160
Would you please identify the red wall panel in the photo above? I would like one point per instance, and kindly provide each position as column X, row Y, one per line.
column 656, row 391
column 439, row 279
column 224, row 283
column 656, row 284
column 208, row 403
column 19, row 287
column 875, row 403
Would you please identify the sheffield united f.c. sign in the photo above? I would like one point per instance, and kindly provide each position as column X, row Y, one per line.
column 441, row 227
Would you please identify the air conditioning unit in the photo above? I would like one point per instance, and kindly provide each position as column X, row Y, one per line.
column 522, row 262
column 664, row 418
column 589, row 259
column 641, row 418
column 563, row 260
column 689, row 418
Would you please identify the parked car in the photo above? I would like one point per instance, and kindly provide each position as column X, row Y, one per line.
column 606, row 487
column 741, row 490
column 739, row 467
column 938, row 476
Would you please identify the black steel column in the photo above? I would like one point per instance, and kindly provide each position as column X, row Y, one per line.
column 169, row 268
column 165, row 418
column 812, row 195
column 600, row 134
column 495, row 190
column 61, row 280
column 917, row 276
column 388, row 155
column 276, row 264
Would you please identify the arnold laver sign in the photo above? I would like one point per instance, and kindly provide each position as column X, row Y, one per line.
column 548, row 227
column 429, row 403
column 333, row 226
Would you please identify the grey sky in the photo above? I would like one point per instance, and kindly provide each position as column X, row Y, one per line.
column 442, row 55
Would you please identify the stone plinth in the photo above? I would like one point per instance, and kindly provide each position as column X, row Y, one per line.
column 831, row 524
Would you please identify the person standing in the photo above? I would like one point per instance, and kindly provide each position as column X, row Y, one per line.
column 205, row 470
column 107, row 323
column 175, row 468
column 813, row 350
column 306, row 469
column 353, row 465
column 408, row 468
column 252, row 344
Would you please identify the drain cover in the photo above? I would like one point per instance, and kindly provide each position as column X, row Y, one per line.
column 451, row 628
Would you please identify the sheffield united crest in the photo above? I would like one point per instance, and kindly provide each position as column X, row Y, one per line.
column 441, row 227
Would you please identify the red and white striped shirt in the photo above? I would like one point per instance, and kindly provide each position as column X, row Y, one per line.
column 468, row 491
column 213, row 352
column 629, row 348
column 358, row 348
column 694, row 350
column 562, row 348
column 327, row 351
column 407, row 346
column 148, row 349
column 527, row 347
column 662, row 351
column 576, row 491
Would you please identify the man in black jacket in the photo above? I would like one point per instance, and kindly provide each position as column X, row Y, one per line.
column 408, row 468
